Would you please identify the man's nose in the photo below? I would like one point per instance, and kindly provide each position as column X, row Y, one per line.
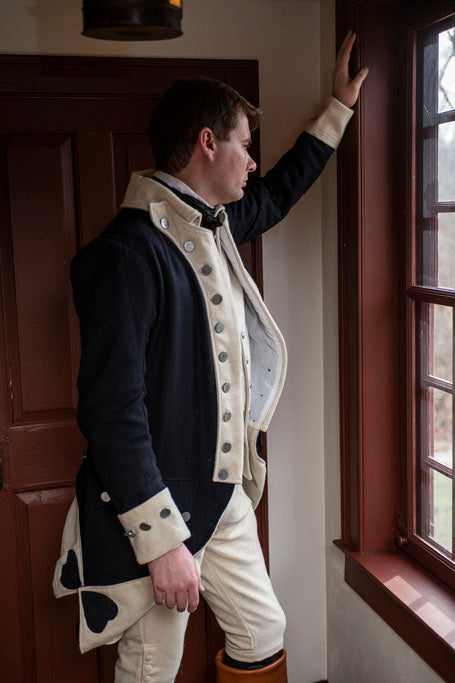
column 251, row 165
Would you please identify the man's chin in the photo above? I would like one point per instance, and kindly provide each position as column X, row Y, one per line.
column 228, row 199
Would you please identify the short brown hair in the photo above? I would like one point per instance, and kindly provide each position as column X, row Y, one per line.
column 184, row 109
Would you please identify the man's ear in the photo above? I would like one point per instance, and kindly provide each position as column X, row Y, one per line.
column 207, row 143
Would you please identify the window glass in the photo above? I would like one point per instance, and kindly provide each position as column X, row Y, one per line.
column 446, row 76
column 441, row 360
column 440, row 509
column 446, row 162
column 446, row 250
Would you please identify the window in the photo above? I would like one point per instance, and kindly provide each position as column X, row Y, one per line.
column 431, row 340
column 396, row 188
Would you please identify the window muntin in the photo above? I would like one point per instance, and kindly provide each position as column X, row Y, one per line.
column 433, row 270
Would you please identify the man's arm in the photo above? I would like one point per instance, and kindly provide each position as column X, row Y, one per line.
column 115, row 297
column 270, row 198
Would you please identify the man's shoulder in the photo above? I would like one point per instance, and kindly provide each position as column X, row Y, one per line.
column 130, row 228
column 129, row 233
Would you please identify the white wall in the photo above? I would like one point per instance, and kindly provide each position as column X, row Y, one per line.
column 362, row 648
column 284, row 36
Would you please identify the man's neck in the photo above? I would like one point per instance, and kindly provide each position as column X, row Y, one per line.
column 180, row 185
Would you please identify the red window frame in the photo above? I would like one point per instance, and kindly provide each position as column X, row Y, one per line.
column 421, row 282
column 375, row 210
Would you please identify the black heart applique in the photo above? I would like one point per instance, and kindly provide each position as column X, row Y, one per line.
column 98, row 610
column 70, row 572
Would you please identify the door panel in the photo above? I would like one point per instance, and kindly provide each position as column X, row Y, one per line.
column 65, row 160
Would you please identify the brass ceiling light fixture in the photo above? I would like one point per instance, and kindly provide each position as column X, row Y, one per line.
column 132, row 19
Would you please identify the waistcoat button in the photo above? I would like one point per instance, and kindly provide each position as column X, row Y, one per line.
column 217, row 299
column 206, row 270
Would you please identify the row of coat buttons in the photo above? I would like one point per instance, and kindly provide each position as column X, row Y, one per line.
column 207, row 269
column 222, row 356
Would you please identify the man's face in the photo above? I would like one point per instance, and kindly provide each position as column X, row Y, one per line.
column 232, row 163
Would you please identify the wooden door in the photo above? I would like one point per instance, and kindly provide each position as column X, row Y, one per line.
column 71, row 132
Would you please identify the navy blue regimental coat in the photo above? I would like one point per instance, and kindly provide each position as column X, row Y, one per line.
column 174, row 385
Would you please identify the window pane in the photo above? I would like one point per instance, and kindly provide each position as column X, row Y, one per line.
column 439, row 433
column 434, row 369
column 440, row 509
column 446, row 250
column 446, row 162
column 442, row 342
column 447, row 70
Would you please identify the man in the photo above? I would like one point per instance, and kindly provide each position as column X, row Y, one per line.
column 182, row 366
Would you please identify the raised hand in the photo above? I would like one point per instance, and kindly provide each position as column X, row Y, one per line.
column 344, row 89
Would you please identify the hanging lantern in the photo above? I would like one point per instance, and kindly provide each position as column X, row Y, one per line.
column 132, row 19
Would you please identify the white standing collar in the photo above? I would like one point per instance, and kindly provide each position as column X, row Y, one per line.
column 179, row 185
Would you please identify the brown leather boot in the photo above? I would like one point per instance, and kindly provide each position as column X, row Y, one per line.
column 273, row 673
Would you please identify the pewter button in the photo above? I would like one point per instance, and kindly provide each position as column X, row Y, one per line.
column 144, row 526
column 243, row 335
column 164, row 223
column 223, row 356
column 186, row 516
column 226, row 447
column 105, row 497
column 206, row 270
column 217, row 299
column 130, row 533
column 165, row 512
column 219, row 327
column 223, row 474
column 188, row 246
column 226, row 386
column 227, row 416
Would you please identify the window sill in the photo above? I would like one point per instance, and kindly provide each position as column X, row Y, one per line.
column 419, row 607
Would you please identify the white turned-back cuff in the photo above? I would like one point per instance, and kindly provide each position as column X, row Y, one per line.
column 330, row 125
column 154, row 527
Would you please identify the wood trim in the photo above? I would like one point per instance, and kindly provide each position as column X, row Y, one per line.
column 417, row 606
column 368, row 257
column 90, row 76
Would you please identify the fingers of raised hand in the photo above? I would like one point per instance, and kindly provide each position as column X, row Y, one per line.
column 345, row 49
